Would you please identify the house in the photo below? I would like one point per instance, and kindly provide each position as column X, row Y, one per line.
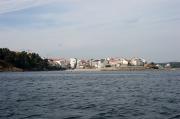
column 89, row 63
column 63, row 63
column 123, row 62
column 159, row 66
column 114, row 62
column 118, row 62
column 58, row 62
column 53, row 62
column 81, row 64
column 73, row 63
column 137, row 62
column 102, row 63
column 168, row 65
column 94, row 63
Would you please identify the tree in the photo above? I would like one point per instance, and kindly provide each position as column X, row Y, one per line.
column 26, row 61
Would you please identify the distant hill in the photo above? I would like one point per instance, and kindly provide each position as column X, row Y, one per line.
column 173, row 64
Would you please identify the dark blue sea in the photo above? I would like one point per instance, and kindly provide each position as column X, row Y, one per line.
column 90, row 95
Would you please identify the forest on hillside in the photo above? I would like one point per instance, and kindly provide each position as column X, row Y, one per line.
column 25, row 61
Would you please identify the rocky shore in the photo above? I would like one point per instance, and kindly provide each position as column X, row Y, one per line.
column 6, row 67
column 10, row 69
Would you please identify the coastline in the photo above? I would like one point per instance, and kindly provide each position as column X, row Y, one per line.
column 11, row 69
column 15, row 69
column 121, row 69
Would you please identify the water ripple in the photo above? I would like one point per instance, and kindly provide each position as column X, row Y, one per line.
column 90, row 95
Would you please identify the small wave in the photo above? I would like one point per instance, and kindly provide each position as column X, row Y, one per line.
column 72, row 117
column 32, row 116
column 11, row 114
column 20, row 100
column 175, row 117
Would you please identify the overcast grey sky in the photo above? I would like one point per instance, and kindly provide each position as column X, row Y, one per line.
column 93, row 28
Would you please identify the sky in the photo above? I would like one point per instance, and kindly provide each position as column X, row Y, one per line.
column 149, row 29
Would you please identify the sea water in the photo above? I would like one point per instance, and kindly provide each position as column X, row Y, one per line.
column 90, row 95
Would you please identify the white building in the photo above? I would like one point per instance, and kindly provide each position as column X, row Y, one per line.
column 114, row 62
column 81, row 64
column 137, row 62
column 94, row 63
column 102, row 63
column 73, row 63
column 53, row 62
column 123, row 62
column 58, row 62
column 63, row 63
column 168, row 65
column 159, row 66
column 99, row 63
column 118, row 62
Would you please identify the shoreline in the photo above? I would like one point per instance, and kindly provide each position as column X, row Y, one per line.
column 94, row 70
column 120, row 69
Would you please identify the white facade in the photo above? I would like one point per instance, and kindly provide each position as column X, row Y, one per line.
column 118, row 62
column 63, row 63
column 81, row 64
column 53, row 63
column 94, row 63
column 99, row 63
column 73, row 63
column 102, row 63
column 167, row 65
column 124, row 62
column 58, row 63
column 137, row 62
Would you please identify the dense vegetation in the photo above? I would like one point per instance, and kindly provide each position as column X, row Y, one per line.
column 24, row 60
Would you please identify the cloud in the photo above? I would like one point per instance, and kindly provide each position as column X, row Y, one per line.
column 15, row 5
column 92, row 28
column 87, row 13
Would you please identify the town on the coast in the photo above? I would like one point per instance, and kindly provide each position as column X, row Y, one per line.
column 29, row 61
column 106, row 64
